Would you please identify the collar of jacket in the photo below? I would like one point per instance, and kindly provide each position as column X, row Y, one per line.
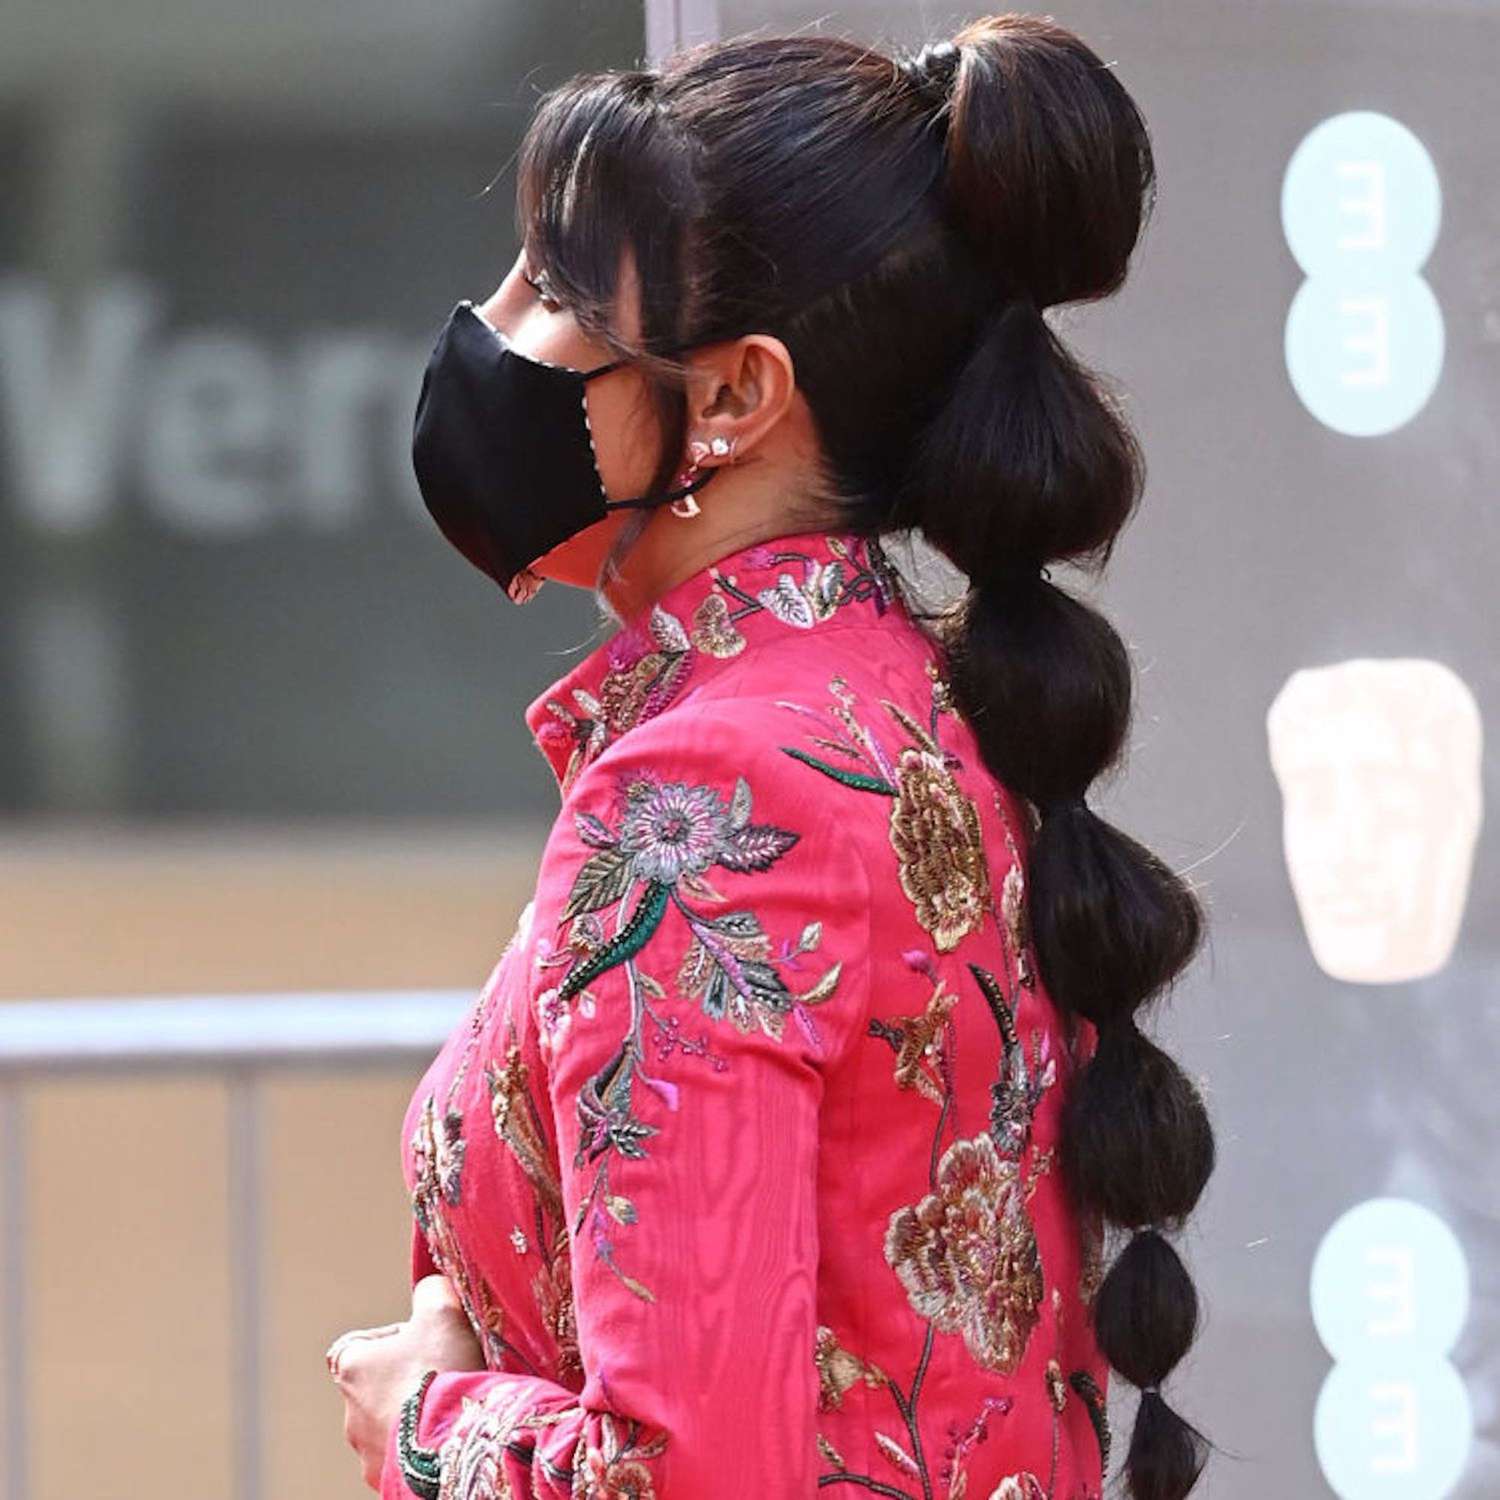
column 798, row 582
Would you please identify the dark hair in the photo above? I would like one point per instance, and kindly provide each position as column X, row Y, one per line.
column 900, row 224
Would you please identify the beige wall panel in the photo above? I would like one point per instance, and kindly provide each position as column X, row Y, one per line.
column 128, row 1290
column 336, row 1249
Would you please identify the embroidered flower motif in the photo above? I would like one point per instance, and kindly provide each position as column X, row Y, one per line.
column 671, row 829
column 967, row 1254
column 614, row 1470
column 668, row 834
column 934, row 830
column 917, row 1043
column 934, row 826
column 471, row 1456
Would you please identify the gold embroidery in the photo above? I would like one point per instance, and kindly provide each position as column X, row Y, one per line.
column 934, row 830
column 839, row 1369
column 713, row 631
column 831, row 1453
column 967, row 1253
column 916, row 1045
column 1017, row 923
column 1057, row 1387
column 516, row 1124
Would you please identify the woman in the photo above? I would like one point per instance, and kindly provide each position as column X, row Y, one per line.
column 778, row 1148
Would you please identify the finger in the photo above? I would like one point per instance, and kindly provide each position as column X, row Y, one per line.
column 335, row 1350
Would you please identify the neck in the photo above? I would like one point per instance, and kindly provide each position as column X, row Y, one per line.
column 738, row 510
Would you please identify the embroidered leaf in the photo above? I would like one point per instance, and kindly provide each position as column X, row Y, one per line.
column 643, row 1292
column 621, row 1209
column 824, row 987
column 601, row 880
column 629, row 941
column 788, row 603
column 594, row 831
column 668, row 683
column 830, row 580
column 910, row 725
column 855, row 779
column 838, row 746
column 739, row 803
column 713, row 629
column 812, row 935
column 626, row 1136
column 897, row 1454
column 726, row 966
column 755, row 847
column 667, row 631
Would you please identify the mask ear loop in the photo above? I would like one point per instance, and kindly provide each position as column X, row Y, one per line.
column 649, row 502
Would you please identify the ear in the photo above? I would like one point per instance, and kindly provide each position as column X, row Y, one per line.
column 741, row 389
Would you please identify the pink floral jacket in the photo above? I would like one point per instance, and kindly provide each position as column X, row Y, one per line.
column 744, row 1164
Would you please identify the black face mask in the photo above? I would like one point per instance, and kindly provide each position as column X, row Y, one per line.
column 503, row 452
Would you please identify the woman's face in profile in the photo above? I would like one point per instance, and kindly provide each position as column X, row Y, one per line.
column 620, row 414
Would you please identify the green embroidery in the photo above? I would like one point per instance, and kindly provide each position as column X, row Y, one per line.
column 669, row 834
column 855, row 779
column 934, row 824
column 1093, row 1400
column 626, row 943
column 420, row 1466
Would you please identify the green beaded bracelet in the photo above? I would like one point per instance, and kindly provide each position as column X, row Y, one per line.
column 419, row 1465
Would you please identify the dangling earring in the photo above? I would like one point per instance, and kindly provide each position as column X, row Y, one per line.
column 687, row 505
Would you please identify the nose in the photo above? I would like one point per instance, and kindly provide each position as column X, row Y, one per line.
column 502, row 307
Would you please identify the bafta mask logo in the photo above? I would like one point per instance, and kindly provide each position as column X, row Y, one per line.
column 1378, row 763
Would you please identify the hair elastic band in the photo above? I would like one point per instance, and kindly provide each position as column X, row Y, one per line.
column 1060, row 804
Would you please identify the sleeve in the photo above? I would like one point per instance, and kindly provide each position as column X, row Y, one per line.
column 706, row 966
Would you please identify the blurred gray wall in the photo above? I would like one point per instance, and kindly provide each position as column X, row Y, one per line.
column 229, row 236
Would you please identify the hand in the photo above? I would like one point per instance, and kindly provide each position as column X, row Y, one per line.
column 376, row 1369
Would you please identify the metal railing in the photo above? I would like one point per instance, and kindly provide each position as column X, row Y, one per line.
column 238, row 1038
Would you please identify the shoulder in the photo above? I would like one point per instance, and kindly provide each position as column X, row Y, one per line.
column 691, row 850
